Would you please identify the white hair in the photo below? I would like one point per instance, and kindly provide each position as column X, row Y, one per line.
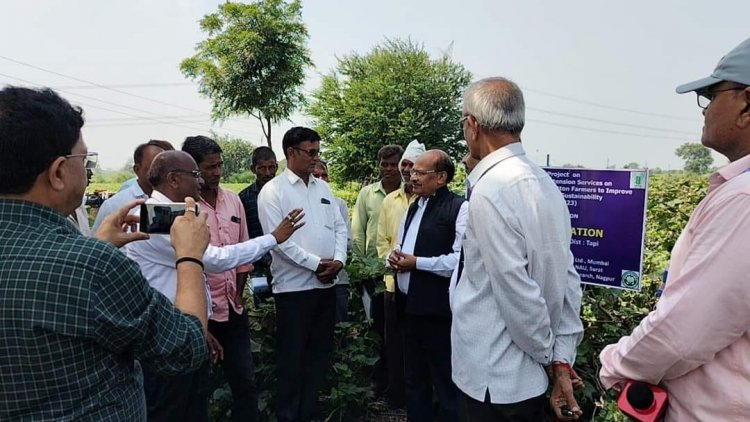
column 497, row 104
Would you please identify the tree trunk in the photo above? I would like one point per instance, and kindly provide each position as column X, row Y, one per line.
column 268, row 134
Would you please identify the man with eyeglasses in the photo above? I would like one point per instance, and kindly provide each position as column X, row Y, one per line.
column 76, row 311
column 304, row 271
column 429, row 245
column 80, row 217
column 696, row 342
column 517, row 298
column 175, row 175
column 141, row 188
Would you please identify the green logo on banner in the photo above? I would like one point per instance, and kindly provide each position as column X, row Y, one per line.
column 630, row 280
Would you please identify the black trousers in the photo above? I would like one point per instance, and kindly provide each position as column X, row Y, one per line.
column 428, row 366
column 304, row 334
column 531, row 410
column 239, row 370
column 342, row 302
column 394, row 351
column 179, row 398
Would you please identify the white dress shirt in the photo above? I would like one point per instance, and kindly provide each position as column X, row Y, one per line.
column 117, row 201
column 322, row 237
column 442, row 265
column 156, row 257
column 516, row 306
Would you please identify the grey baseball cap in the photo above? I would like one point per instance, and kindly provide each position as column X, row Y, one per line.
column 734, row 67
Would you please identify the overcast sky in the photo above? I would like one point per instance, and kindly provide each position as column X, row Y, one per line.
column 599, row 76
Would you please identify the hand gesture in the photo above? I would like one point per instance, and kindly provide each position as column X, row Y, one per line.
column 290, row 224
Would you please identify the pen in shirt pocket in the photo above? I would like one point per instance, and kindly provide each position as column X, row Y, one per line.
column 325, row 201
column 235, row 219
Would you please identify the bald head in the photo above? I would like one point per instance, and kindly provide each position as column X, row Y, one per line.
column 439, row 160
column 166, row 162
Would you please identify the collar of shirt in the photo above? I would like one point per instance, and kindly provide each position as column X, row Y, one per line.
column 293, row 178
column 158, row 198
column 728, row 172
column 495, row 157
column 135, row 188
column 221, row 197
column 380, row 188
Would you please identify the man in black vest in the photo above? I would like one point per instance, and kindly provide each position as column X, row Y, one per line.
column 429, row 246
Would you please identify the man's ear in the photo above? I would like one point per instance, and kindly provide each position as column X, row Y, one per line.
column 136, row 167
column 55, row 174
column 743, row 120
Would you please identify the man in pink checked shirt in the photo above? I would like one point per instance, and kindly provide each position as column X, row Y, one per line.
column 696, row 343
column 228, row 332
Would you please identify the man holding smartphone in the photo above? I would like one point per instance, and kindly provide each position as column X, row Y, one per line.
column 175, row 175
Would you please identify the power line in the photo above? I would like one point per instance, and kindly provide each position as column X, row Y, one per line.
column 144, row 85
column 96, row 84
column 616, row 132
column 591, row 103
column 126, row 107
column 609, row 122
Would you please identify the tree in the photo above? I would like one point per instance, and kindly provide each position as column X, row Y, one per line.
column 392, row 95
column 697, row 157
column 237, row 154
column 632, row 165
column 253, row 60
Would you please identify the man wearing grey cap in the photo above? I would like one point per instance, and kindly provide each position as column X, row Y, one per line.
column 696, row 343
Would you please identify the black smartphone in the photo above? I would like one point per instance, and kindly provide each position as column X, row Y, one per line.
column 158, row 218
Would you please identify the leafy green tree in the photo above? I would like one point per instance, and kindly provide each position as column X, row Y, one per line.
column 253, row 60
column 391, row 95
column 697, row 157
column 632, row 165
column 236, row 154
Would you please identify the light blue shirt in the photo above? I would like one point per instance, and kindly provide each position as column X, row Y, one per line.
column 117, row 201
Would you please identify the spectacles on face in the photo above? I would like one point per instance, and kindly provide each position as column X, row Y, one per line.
column 312, row 153
column 422, row 173
column 461, row 122
column 705, row 97
column 195, row 173
column 89, row 159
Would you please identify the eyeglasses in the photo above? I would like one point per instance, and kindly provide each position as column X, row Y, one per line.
column 195, row 173
column 89, row 159
column 312, row 153
column 422, row 173
column 705, row 97
column 461, row 121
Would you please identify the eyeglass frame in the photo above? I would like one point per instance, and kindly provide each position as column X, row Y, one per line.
column 90, row 159
column 422, row 173
column 197, row 174
column 462, row 120
column 712, row 92
column 312, row 153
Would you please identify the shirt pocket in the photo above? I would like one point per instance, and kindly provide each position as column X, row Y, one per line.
column 327, row 216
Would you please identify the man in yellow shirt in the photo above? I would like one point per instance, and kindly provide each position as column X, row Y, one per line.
column 392, row 210
column 364, row 233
